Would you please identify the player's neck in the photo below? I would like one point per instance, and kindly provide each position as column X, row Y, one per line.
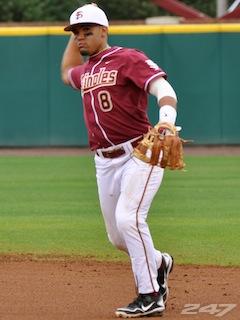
column 101, row 50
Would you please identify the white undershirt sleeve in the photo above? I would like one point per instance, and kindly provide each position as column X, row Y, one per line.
column 161, row 88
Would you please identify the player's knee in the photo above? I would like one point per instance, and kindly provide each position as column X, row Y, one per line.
column 130, row 224
column 117, row 242
column 126, row 224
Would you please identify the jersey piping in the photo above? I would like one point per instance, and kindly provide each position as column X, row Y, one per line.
column 70, row 79
column 160, row 74
column 92, row 97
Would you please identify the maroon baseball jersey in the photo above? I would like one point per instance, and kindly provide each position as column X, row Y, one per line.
column 114, row 87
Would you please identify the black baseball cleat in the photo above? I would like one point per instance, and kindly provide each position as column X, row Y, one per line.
column 163, row 274
column 144, row 305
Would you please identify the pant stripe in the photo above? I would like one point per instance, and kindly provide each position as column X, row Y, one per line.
column 139, row 232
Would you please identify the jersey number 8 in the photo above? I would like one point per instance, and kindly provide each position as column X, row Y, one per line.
column 105, row 101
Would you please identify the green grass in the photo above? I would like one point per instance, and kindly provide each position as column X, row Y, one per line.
column 49, row 205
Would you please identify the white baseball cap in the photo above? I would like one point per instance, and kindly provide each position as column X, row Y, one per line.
column 88, row 13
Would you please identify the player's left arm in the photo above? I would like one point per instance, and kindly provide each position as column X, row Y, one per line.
column 167, row 99
column 162, row 145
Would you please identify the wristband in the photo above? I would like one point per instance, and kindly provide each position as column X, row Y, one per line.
column 167, row 114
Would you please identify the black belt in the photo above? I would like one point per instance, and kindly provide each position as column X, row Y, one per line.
column 115, row 153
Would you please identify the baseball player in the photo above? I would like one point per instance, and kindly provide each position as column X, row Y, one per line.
column 114, row 83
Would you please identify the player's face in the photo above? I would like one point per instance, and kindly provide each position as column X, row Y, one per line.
column 90, row 39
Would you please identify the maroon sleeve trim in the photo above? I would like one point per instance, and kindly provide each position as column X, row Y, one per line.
column 157, row 75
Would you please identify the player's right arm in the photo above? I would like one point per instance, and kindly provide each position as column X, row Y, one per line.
column 71, row 58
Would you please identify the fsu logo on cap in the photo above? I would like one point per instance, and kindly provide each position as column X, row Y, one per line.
column 79, row 15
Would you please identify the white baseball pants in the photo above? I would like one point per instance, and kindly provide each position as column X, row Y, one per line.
column 126, row 188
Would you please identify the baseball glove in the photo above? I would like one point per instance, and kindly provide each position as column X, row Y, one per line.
column 161, row 146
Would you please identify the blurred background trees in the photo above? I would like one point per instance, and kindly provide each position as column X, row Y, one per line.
column 59, row 10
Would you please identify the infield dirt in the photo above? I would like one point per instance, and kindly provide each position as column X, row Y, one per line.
column 62, row 289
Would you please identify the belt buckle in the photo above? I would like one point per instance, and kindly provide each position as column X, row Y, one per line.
column 108, row 153
column 114, row 153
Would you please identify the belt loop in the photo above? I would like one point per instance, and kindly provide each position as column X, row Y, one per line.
column 99, row 153
column 128, row 147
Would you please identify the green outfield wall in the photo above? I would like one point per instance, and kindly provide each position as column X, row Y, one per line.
column 202, row 62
